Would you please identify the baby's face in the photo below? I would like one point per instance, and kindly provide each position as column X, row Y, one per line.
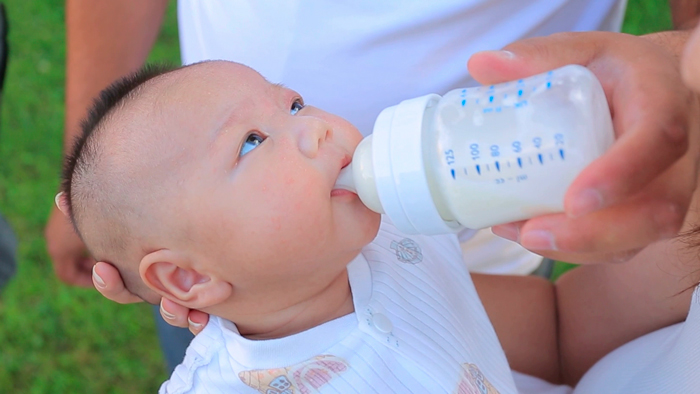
column 256, row 193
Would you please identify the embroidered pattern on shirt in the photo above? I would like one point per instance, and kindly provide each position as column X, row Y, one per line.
column 473, row 381
column 306, row 377
column 407, row 251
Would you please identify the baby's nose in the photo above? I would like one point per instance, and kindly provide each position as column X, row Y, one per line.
column 313, row 132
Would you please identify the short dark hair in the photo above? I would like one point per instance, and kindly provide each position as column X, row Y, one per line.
column 85, row 152
column 108, row 99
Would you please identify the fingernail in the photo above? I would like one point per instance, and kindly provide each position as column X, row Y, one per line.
column 165, row 313
column 538, row 240
column 98, row 280
column 196, row 326
column 508, row 231
column 508, row 55
column 586, row 202
column 55, row 200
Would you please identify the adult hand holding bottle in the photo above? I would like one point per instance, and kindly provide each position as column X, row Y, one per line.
column 640, row 190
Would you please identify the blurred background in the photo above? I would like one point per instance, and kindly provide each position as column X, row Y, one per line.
column 60, row 339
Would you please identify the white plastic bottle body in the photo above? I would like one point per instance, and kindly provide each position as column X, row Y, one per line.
column 509, row 152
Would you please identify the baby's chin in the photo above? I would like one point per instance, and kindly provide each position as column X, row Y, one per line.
column 367, row 222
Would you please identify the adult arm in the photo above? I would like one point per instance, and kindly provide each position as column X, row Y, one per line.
column 105, row 40
column 601, row 307
column 598, row 307
column 558, row 331
column 522, row 310
column 685, row 13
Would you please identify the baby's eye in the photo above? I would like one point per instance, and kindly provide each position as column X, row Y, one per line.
column 297, row 105
column 251, row 142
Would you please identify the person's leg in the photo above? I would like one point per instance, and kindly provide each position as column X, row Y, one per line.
column 8, row 249
column 173, row 340
column 8, row 242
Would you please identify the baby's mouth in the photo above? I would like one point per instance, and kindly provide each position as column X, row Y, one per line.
column 347, row 159
column 344, row 184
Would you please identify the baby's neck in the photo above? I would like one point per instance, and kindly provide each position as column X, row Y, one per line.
column 333, row 302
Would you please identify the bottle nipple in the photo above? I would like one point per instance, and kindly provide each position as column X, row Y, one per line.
column 358, row 176
column 345, row 179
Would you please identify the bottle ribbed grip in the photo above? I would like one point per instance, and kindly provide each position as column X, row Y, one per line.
column 401, row 179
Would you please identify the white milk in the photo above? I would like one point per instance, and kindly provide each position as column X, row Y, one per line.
column 482, row 156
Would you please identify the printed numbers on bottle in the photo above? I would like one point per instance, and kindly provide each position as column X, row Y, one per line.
column 450, row 157
column 559, row 139
column 517, row 147
column 474, row 148
column 537, row 141
column 494, row 151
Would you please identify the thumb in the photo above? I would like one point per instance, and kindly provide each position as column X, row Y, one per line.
column 533, row 56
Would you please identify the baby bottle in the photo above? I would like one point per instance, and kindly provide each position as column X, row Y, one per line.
column 481, row 156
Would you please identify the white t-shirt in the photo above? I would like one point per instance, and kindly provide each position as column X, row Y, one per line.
column 355, row 58
column 418, row 327
column 665, row 361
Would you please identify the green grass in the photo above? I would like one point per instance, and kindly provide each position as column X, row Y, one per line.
column 57, row 339
column 53, row 338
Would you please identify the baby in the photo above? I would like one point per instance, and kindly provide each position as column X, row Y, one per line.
column 214, row 188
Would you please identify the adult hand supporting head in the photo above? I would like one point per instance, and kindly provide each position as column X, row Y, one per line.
column 640, row 190
column 109, row 283
column 71, row 260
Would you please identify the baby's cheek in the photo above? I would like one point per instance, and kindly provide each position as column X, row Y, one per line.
column 295, row 198
column 293, row 237
column 349, row 135
column 305, row 230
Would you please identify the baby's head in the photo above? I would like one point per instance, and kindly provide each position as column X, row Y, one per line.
column 211, row 186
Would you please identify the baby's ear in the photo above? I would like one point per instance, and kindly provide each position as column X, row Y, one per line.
column 62, row 203
column 170, row 274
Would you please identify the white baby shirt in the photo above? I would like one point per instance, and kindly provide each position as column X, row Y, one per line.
column 418, row 327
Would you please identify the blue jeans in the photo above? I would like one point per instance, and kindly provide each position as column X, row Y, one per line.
column 8, row 251
column 173, row 341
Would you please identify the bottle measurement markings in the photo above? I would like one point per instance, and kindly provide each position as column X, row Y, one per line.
column 483, row 168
